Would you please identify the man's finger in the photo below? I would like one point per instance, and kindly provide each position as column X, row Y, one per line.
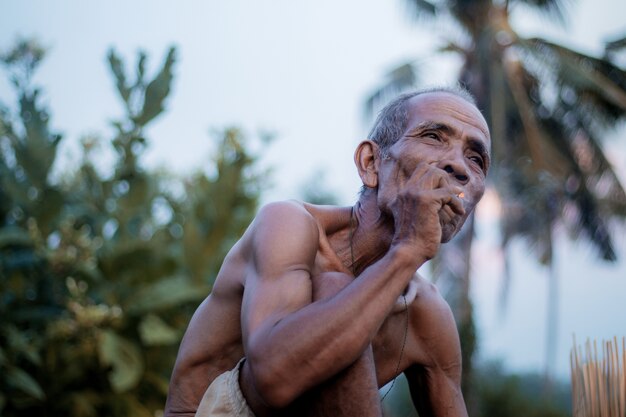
column 449, row 197
column 456, row 204
column 428, row 177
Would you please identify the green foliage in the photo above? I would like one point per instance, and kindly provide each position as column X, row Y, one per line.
column 99, row 274
column 513, row 395
column 497, row 393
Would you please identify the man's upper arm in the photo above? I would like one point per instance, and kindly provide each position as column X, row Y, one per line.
column 284, row 243
column 435, row 383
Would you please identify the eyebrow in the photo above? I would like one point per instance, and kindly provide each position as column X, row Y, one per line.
column 429, row 125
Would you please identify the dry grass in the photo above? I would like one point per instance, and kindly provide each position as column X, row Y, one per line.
column 599, row 381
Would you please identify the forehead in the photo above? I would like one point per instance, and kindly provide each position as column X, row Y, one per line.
column 449, row 109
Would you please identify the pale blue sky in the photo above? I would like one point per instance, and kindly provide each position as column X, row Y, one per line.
column 303, row 70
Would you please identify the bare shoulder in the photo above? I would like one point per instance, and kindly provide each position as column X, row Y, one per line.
column 283, row 232
column 286, row 212
column 428, row 299
column 434, row 330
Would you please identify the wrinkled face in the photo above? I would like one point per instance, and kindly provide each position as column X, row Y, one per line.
column 449, row 133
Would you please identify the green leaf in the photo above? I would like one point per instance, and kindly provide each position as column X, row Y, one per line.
column 14, row 236
column 141, row 68
column 170, row 292
column 157, row 90
column 20, row 344
column 155, row 332
column 19, row 379
column 125, row 359
column 37, row 151
column 117, row 67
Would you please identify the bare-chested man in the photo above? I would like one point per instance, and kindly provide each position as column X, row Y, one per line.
column 316, row 307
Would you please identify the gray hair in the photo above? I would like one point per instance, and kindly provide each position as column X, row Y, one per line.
column 392, row 120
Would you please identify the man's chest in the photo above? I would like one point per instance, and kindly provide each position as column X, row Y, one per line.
column 394, row 347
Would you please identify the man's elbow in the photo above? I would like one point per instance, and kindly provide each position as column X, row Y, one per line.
column 168, row 412
column 273, row 386
column 275, row 395
column 174, row 407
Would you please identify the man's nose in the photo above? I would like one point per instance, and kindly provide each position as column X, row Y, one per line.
column 457, row 170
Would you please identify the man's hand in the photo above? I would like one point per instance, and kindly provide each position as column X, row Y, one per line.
column 425, row 202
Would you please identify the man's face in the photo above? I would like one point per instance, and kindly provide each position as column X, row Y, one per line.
column 449, row 133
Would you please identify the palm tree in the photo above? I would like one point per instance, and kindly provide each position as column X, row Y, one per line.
column 548, row 107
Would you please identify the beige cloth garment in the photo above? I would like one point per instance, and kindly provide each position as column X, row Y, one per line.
column 223, row 398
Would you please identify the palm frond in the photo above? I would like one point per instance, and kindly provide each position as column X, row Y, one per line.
column 519, row 83
column 397, row 80
column 554, row 9
column 583, row 209
column 421, row 8
column 615, row 45
column 598, row 85
column 452, row 46
column 530, row 214
column 558, row 168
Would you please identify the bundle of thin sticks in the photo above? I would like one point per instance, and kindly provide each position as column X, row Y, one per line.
column 599, row 382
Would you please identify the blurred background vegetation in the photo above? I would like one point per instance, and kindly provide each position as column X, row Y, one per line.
column 99, row 274
column 101, row 269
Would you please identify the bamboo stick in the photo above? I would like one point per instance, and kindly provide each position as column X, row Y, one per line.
column 599, row 378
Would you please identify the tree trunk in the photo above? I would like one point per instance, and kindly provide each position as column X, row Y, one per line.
column 552, row 326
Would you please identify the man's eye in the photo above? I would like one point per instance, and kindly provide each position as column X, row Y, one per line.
column 432, row 135
column 478, row 160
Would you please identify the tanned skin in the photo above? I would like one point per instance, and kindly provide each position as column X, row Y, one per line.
column 320, row 334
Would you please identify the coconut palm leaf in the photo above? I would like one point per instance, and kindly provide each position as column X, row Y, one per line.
column 422, row 8
column 614, row 50
column 397, row 80
column 555, row 9
column 598, row 85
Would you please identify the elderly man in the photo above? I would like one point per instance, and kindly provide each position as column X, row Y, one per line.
column 316, row 307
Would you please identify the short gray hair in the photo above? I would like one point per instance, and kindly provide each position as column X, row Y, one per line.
column 392, row 120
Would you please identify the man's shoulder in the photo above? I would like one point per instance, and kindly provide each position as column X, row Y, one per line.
column 433, row 325
column 285, row 226
column 427, row 299
column 285, row 216
column 430, row 309
column 283, row 208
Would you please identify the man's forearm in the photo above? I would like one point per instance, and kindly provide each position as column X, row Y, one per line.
column 323, row 338
column 352, row 392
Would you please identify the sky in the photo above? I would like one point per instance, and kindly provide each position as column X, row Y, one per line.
column 303, row 71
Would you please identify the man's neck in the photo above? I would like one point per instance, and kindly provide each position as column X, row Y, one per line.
column 373, row 232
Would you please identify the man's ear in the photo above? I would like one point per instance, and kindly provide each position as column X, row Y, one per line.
column 367, row 161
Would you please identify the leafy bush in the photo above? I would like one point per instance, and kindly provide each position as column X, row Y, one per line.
column 99, row 274
column 529, row 395
column 497, row 393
